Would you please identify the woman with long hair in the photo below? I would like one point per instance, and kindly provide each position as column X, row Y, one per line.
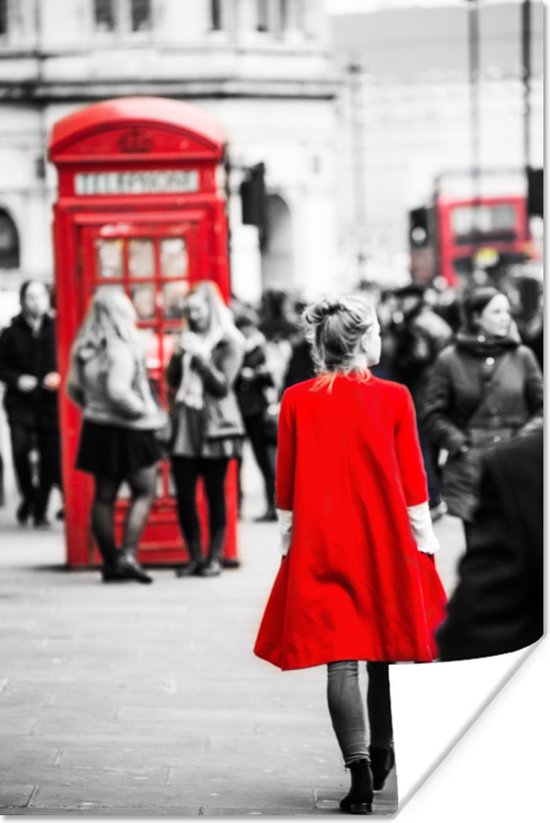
column 485, row 388
column 108, row 379
column 207, row 425
column 357, row 581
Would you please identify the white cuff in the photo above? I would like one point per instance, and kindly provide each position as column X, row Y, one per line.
column 422, row 528
column 285, row 529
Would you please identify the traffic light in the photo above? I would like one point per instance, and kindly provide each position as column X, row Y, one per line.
column 535, row 192
column 419, row 235
column 253, row 199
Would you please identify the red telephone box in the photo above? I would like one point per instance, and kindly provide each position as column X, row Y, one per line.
column 141, row 206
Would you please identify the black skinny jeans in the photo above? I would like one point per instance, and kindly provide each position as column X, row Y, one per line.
column 347, row 708
column 186, row 472
column 25, row 438
column 264, row 453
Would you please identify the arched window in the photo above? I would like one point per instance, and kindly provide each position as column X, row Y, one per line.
column 9, row 242
column 122, row 16
column 277, row 254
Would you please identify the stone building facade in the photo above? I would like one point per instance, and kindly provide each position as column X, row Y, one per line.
column 262, row 67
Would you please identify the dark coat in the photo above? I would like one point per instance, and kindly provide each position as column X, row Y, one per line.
column 252, row 383
column 24, row 352
column 418, row 341
column 301, row 365
column 497, row 606
column 478, row 395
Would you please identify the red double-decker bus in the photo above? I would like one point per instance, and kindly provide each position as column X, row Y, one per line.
column 454, row 236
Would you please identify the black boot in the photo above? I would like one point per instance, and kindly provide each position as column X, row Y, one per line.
column 359, row 798
column 213, row 566
column 382, row 762
column 196, row 560
column 130, row 567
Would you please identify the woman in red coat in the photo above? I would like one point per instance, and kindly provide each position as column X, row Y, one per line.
column 357, row 582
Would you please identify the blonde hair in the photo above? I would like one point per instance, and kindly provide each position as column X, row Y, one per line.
column 220, row 316
column 334, row 327
column 111, row 314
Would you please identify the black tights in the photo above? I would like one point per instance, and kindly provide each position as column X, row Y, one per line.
column 186, row 471
column 142, row 487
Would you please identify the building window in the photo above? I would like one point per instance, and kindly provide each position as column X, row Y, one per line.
column 3, row 17
column 104, row 15
column 122, row 16
column 9, row 242
column 216, row 15
column 141, row 15
column 263, row 15
column 283, row 14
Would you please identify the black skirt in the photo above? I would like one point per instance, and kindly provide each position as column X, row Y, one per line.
column 115, row 451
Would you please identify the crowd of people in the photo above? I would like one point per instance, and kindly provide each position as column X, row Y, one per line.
column 472, row 362
column 402, row 405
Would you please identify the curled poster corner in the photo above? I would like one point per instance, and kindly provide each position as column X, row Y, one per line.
column 494, row 766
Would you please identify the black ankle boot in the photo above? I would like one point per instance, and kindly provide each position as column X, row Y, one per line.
column 359, row 798
column 382, row 762
column 191, row 569
column 131, row 568
column 212, row 568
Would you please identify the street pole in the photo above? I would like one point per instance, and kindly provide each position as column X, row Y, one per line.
column 526, row 78
column 355, row 71
column 475, row 131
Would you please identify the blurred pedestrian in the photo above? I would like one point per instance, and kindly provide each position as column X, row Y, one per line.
column 208, row 426
column 484, row 389
column 357, row 581
column 280, row 328
column 253, row 387
column 497, row 606
column 108, row 380
column 420, row 335
column 28, row 367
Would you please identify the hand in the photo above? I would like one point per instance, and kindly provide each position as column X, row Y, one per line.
column 190, row 343
column 27, row 383
column 52, row 381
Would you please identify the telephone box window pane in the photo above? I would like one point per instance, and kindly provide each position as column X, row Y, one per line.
column 143, row 298
column 173, row 257
column 141, row 258
column 141, row 15
column 149, row 343
column 174, row 295
column 109, row 258
column 104, row 15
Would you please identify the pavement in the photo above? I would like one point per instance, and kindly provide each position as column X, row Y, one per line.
column 129, row 700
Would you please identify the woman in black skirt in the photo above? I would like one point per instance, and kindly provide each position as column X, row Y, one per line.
column 108, row 379
column 208, row 427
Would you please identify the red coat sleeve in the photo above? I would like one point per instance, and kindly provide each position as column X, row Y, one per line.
column 409, row 454
column 286, row 454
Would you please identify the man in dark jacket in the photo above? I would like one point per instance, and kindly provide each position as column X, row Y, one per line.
column 497, row 606
column 28, row 368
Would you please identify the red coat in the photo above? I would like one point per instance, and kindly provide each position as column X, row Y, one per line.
column 354, row 585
